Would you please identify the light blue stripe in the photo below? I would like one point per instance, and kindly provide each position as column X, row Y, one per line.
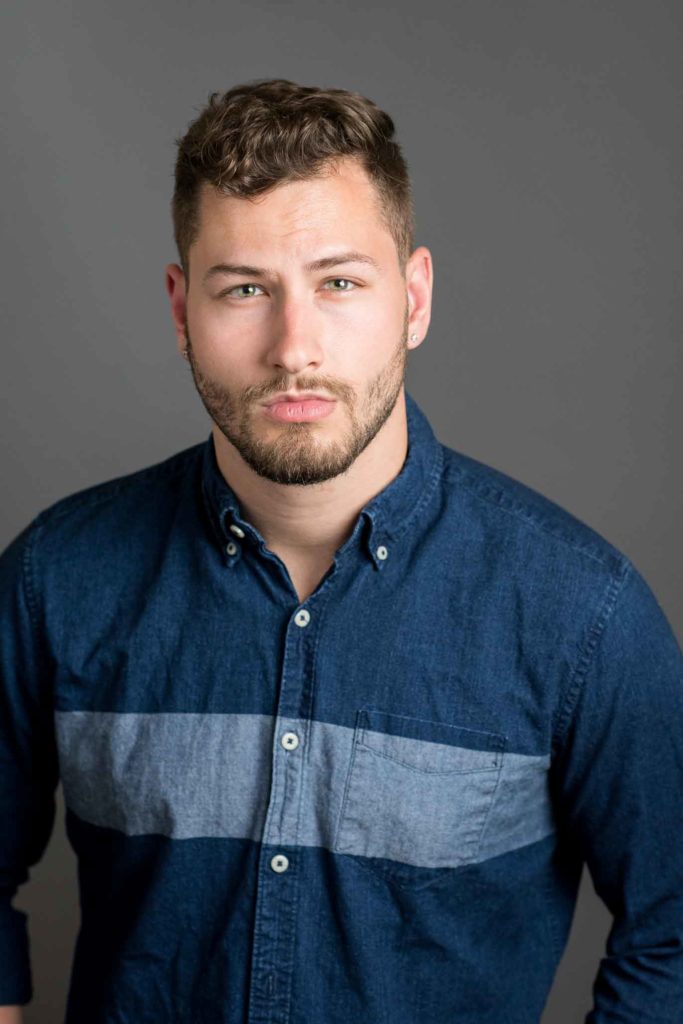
column 410, row 800
column 521, row 812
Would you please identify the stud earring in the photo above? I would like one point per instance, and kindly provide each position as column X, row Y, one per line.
column 413, row 337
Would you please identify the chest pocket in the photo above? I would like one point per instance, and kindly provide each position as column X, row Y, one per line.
column 417, row 795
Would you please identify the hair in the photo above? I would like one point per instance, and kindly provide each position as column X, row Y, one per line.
column 268, row 131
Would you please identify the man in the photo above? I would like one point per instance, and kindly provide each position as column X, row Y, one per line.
column 339, row 711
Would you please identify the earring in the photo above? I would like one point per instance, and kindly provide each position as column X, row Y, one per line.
column 185, row 353
column 413, row 337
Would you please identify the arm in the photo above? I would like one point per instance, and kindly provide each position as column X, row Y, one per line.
column 28, row 761
column 618, row 779
column 11, row 1015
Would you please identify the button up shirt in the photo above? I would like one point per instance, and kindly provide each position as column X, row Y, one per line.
column 373, row 805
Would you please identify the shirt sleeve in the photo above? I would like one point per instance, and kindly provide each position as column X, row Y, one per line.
column 618, row 776
column 28, row 759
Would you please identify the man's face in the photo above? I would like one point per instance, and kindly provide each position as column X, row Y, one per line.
column 340, row 331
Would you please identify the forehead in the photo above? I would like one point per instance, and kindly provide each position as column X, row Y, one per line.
column 340, row 204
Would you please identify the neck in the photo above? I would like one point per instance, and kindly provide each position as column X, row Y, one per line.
column 316, row 518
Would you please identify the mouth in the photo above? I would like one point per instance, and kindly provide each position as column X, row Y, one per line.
column 299, row 410
column 298, row 396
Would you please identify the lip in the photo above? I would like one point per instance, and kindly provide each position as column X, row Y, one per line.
column 302, row 410
column 300, row 396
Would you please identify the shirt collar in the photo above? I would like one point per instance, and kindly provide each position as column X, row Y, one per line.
column 382, row 521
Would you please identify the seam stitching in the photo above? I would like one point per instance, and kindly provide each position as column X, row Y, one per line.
column 520, row 512
column 596, row 632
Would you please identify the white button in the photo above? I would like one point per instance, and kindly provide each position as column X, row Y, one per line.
column 237, row 530
column 302, row 617
column 381, row 552
column 279, row 862
column 290, row 741
column 231, row 548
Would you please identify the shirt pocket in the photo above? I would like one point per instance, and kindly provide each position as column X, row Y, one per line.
column 416, row 796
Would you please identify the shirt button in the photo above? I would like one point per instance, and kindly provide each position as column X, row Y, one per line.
column 290, row 741
column 231, row 548
column 381, row 552
column 302, row 617
column 279, row 862
column 237, row 530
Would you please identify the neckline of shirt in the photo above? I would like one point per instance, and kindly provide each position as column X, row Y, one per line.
column 381, row 522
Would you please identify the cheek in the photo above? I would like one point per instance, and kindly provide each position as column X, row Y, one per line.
column 219, row 339
column 364, row 320
column 381, row 333
column 216, row 320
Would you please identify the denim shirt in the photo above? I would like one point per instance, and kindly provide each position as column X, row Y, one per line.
column 370, row 806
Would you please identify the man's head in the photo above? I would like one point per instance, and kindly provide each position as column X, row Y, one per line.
column 272, row 181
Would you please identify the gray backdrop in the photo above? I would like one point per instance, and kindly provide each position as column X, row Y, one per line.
column 544, row 141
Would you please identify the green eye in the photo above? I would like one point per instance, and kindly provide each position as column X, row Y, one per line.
column 231, row 290
column 346, row 286
column 345, row 281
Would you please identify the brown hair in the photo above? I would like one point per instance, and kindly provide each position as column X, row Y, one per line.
column 269, row 131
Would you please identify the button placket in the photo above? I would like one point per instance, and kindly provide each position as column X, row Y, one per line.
column 281, row 836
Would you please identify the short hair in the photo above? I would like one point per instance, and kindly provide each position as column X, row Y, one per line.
column 268, row 131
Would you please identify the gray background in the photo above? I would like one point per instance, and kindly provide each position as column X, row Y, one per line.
column 544, row 141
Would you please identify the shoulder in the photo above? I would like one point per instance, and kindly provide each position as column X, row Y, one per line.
column 524, row 519
column 112, row 512
column 122, row 488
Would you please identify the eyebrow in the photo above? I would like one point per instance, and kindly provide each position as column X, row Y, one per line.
column 322, row 264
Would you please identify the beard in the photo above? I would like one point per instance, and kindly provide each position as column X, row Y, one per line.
column 297, row 455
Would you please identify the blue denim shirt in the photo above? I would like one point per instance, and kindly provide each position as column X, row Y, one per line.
column 371, row 806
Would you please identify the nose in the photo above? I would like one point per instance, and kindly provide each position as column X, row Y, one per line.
column 295, row 342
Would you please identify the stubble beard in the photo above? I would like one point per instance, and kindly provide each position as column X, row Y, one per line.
column 296, row 455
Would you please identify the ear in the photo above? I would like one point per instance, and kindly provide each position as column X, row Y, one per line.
column 419, row 281
column 175, row 286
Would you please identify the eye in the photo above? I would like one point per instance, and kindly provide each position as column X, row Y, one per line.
column 229, row 291
column 341, row 280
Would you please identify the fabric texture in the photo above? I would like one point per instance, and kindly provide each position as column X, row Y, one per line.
column 373, row 805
